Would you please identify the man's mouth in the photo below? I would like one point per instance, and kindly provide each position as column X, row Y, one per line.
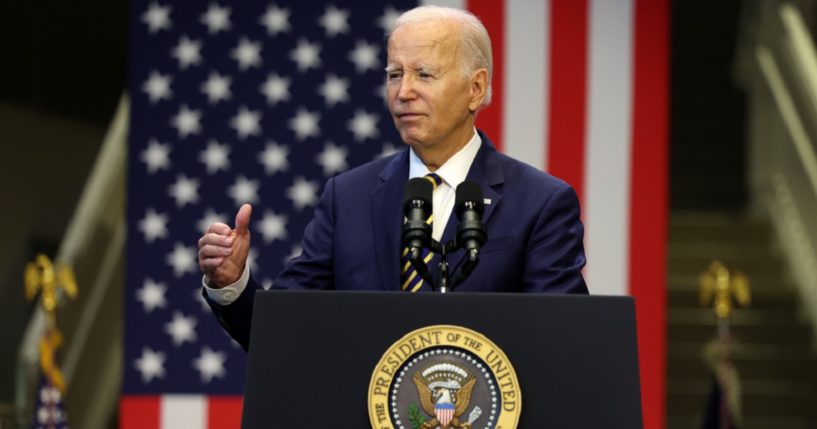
column 408, row 117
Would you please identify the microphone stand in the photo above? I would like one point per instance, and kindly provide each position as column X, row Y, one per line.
column 443, row 249
column 468, row 265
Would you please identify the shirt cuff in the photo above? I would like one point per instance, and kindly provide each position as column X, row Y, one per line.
column 228, row 294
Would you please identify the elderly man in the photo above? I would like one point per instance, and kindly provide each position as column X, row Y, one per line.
column 437, row 78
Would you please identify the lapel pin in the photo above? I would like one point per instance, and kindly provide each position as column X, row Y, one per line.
column 486, row 200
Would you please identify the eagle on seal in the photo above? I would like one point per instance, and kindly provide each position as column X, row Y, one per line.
column 440, row 403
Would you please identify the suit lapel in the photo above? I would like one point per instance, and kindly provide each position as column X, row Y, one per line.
column 486, row 170
column 387, row 218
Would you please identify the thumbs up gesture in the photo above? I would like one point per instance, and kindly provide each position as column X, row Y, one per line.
column 223, row 251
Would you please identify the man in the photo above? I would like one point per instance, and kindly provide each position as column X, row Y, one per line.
column 438, row 77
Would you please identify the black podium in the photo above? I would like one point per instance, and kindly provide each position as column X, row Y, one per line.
column 312, row 354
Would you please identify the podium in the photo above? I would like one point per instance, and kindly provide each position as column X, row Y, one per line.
column 314, row 357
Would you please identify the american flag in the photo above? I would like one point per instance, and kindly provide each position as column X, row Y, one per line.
column 262, row 101
column 49, row 410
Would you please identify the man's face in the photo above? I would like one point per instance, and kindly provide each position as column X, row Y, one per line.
column 429, row 98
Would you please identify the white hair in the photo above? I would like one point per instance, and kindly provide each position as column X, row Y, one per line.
column 474, row 39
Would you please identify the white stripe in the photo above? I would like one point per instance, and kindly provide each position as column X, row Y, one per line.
column 183, row 411
column 457, row 4
column 524, row 119
column 607, row 162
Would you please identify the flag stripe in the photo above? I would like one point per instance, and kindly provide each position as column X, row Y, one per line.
column 648, row 220
column 139, row 412
column 224, row 412
column 524, row 87
column 184, row 411
column 492, row 14
column 567, row 92
column 607, row 164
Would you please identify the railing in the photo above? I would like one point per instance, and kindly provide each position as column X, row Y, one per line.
column 93, row 244
column 777, row 63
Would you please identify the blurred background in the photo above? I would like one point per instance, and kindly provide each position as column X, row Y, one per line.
column 741, row 189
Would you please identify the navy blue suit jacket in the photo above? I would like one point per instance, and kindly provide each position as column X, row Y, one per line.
column 353, row 243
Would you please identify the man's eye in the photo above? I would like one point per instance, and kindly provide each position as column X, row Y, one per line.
column 425, row 75
column 393, row 76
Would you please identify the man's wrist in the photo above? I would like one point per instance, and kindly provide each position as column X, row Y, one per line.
column 226, row 295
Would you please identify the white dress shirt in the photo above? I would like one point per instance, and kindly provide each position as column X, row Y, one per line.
column 453, row 172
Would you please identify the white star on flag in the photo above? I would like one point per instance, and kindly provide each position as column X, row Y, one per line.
column 303, row 193
column 244, row 191
column 151, row 365
column 247, row 53
column 274, row 158
column 156, row 156
column 182, row 259
column 305, row 124
column 306, row 55
column 364, row 125
column 152, row 295
column 210, row 364
column 364, row 56
column 386, row 21
column 181, row 329
column 184, row 191
column 187, row 52
column 216, row 19
column 334, row 21
column 215, row 157
column 273, row 226
column 276, row 20
column 153, row 225
column 334, row 90
column 217, row 88
column 246, row 123
column 158, row 86
column 276, row 89
column 187, row 121
column 333, row 159
column 157, row 18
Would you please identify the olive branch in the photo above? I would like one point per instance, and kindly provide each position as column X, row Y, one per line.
column 415, row 417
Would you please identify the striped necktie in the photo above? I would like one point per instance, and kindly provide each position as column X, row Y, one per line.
column 410, row 280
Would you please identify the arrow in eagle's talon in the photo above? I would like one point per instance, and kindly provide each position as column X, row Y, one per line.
column 474, row 415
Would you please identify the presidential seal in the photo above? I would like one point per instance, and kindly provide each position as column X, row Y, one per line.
column 442, row 377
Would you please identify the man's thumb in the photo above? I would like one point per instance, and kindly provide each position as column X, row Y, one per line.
column 242, row 219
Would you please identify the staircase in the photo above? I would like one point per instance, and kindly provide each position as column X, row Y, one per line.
column 772, row 351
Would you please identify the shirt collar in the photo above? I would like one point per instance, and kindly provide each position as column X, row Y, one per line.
column 454, row 171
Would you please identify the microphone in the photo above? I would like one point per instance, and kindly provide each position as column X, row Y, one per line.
column 471, row 234
column 417, row 209
column 416, row 231
column 470, row 206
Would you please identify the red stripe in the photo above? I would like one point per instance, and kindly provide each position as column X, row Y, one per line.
column 492, row 15
column 139, row 412
column 648, row 219
column 568, row 91
column 224, row 412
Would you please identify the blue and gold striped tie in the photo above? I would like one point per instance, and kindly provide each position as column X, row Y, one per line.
column 409, row 278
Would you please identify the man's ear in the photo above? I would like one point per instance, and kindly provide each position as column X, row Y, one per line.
column 478, row 89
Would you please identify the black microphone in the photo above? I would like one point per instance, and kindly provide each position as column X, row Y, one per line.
column 471, row 234
column 469, row 205
column 417, row 209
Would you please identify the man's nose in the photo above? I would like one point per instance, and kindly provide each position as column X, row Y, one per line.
column 406, row 89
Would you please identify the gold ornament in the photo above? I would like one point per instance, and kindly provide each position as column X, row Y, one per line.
column 717, row 285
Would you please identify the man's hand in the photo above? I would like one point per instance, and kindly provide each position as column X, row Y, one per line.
column 223, row 251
